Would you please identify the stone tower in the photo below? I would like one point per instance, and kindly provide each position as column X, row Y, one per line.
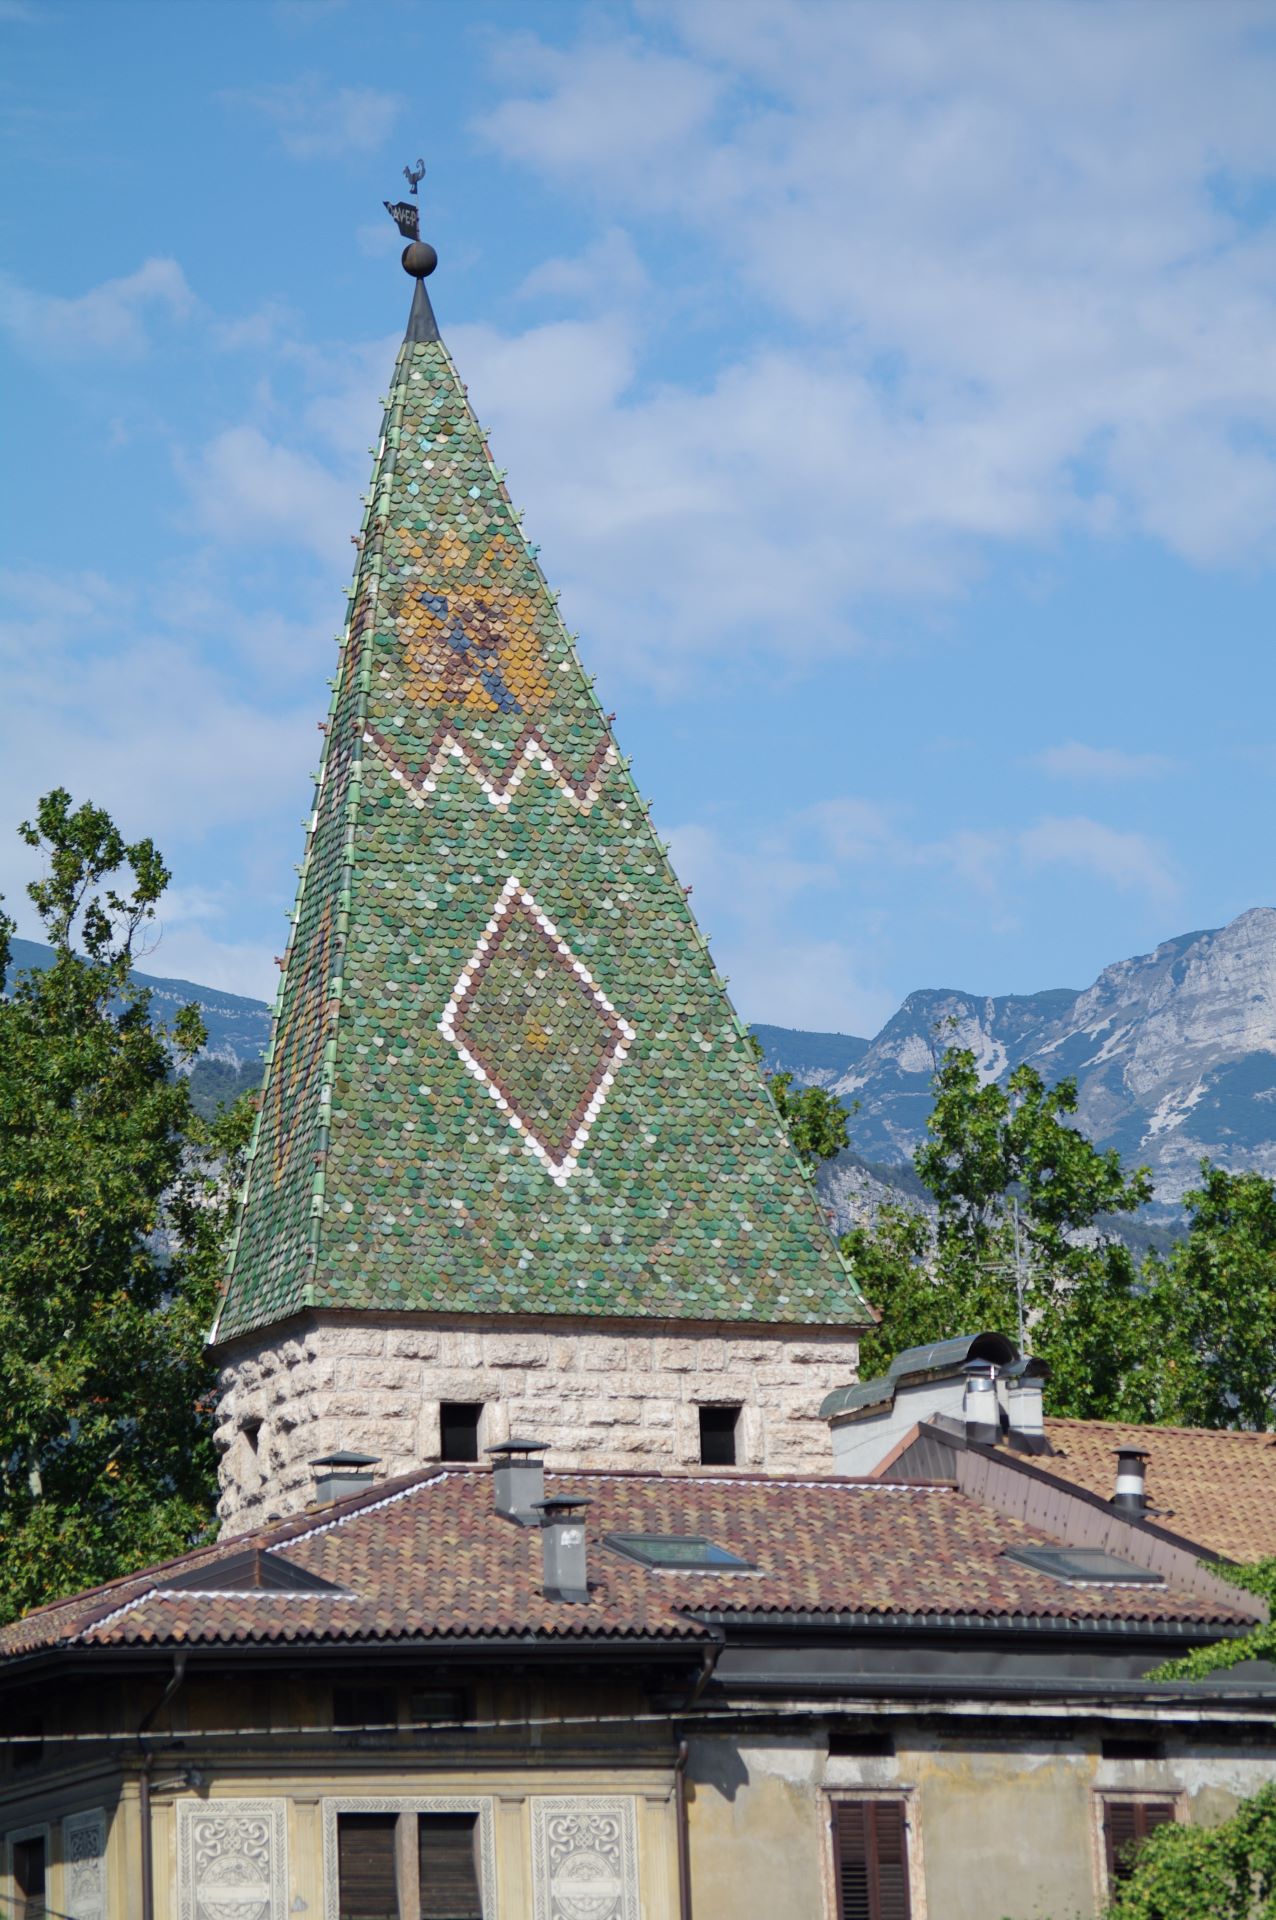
column 514, row 1168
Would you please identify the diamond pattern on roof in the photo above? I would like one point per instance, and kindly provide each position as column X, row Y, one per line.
column 569, row 1119
column 533, row 1025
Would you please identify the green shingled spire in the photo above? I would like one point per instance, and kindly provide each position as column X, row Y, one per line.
column 504, row 1075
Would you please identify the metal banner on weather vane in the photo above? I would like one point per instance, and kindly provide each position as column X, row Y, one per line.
column 406, row 217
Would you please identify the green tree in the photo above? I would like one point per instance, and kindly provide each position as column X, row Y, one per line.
column 113, row 1208
column 1227, row 1872
column 1219, row 1288
column 815, row 1118
column 1020, row 1198
column 1258, row 1644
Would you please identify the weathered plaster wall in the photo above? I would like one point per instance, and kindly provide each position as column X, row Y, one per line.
column 756, row 1818
column 993, row 1829
column 1004, row 1832
column 622, row 1396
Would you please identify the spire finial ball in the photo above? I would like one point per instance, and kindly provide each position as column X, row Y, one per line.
column 419, row 259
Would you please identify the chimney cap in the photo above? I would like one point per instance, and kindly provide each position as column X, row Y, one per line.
column 559, row 1505
column 1131, row 1453
column 348, row 1460
column 517, row 1443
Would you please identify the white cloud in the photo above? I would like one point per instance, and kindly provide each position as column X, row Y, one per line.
column 598, row 103
column 316, row 121
column 1128, row 861
column 245, row 487
column 112, row 319
column 607, row 273
column 106, row 698
column 1073, row 760
column 743, row 900
column 1027, row 272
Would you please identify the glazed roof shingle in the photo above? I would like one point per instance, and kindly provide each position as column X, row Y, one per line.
column 429, row 1558
column 1215, row 1488
column 504, row 1074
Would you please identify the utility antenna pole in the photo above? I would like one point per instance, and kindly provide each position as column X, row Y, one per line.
column 1020, row 1276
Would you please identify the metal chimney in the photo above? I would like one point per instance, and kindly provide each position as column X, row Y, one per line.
column 563, row 1546
column 980, row 1407
column 1130, row 1496
column 338, row 1475
column 518, row 1479
column 1025, row 1406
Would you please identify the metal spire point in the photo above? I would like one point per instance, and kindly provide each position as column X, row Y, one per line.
column 418, row 257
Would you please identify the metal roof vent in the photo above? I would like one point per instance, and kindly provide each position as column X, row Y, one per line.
column 563, row 1546
column 980, row 1407
column 1024, row 1382
column 1130, row 1495
column 518, row 1479
column 337, row 1475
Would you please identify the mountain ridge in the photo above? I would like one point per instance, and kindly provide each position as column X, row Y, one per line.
column 1174, row 1053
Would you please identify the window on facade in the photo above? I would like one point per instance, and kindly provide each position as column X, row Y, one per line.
column 367, row 1866
column 29, row 1749
column 719, row 1427
column 1132, row 1747
column 29, row 1867
column 359, row 1707
column 1126, row 1825
column 447, row 1856
column 871, row 1860
column 426, row 1704
column 388, row 1871
column 459, row 1429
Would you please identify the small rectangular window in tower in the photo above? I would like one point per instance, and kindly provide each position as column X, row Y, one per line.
column 870, row 1859
column 29, row 1869
column 1126, row 1825
column 459, row 1429
column 719, row 1432
column 447, row 1852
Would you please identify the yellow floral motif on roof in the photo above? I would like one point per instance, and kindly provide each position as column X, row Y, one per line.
column 469, row 637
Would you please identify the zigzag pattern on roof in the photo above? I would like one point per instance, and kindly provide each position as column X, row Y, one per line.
column 530, row 750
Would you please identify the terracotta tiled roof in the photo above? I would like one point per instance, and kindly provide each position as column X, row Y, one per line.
column 1218, row 1489
column 429, row 1557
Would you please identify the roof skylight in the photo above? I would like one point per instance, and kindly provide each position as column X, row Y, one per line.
column 1088, row 1566
column 678, row 1552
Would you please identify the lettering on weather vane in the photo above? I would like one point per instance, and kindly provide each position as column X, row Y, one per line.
column 406, row 216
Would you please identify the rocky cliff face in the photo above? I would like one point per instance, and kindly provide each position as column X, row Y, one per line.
column 1174, row 1053
column 238, row 1028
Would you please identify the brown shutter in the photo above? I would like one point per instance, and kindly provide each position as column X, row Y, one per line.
column 366, row 1880
column 449, row 1866
column 872, row 1860
column 1126, row 1825
column 892, row 1861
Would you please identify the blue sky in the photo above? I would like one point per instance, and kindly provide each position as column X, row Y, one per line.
column 891, row 389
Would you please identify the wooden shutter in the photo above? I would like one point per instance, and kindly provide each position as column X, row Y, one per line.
column 872, row 1860
column 448, row 1846
column 29, row 1878
column 366, row 1879
column 1126, row 1825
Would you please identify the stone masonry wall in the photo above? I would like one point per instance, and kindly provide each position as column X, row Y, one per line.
column 626, row 1396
